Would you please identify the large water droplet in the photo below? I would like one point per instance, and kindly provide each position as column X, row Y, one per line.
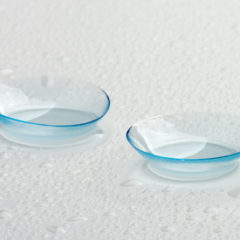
column 132, row 183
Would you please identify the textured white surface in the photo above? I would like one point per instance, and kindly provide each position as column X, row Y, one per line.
column 152, row 57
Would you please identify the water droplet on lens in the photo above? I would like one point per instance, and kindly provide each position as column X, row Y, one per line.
column 234, row 193
column 5, row 214
column 131, row 183
column 56, row 229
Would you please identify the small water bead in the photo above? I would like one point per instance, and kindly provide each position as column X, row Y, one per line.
column 5, row 214
column 64, row 59
column 110, row 214
column 215, row 217
column 132, row 183
column 211, row 210
column 46, row 165
column 234, row 193
column 46, row 236
column 133, row 209
column 56, row 229
column 167, row 229
column 6, row 71
column 77, row 219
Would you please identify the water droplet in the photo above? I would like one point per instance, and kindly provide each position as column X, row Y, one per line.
column 210, row 210
column 234, row 193
column 77, row 219
column 110, row 214
column 5, row 214
column 133, row 209
column 46, row 165
column 79, row 171
column 215, row 217
column 6, row 71
column 132, row 183
column 167, row 229
column 56, row 229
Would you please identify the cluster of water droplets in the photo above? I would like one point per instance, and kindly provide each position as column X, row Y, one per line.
column 44, row 195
